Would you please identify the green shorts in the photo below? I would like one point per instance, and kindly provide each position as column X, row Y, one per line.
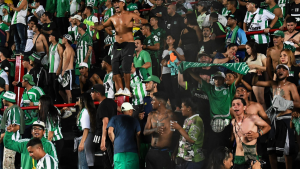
column 127, row 160
column 240, row 160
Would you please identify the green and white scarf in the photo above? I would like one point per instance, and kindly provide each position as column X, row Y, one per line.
column 241, row 68
column 234, row 34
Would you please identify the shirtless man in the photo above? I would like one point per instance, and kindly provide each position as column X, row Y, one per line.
column 253, row 108
column 287, row 90
column 245, row 130
column 67, row 68
column 87, row 79
column 273, row 53
column 158, row 124
column 124, row 46
column 40, row 44
column 293, row 35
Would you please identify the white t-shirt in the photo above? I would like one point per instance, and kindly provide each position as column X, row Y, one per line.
column 29, row 42
column 221, row 19
column 167, row 70
column 85, row 120
column 4, row 76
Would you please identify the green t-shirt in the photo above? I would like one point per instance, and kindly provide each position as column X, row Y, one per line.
column 82, row 48
column 94, row 2
column 33, row 95
column 219, row 99
column 50, row 6
column 195, row 129
column 137, row 86
column 280, row 21
column 110, row 12
column 62, row 7
column 151, row 41
column 143, row 58
column 131, row 7
column 55, row 127
column 7, row 18
column 4, row 27
column 161, row 34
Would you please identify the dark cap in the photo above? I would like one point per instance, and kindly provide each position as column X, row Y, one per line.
column 25, row 58
column 216, row 5
column 107, row 59
column 82, row 26
column 214, row 15
column 99, row 88
column 232, row 17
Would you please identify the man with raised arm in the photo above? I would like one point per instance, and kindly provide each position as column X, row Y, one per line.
column 246, row 131
column 124, row 46
column 281, row 139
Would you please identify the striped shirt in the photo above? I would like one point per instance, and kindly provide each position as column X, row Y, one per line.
column 138, row 88
column 54, row 58
column 19, row 17
column 47, row 162
column 14, row 117
column 55, row 127
column 82, row 48
column 110, row 39
column 93, row 19
column 33, row 95
column 282, row 5
column 225, row 12
column 32, row 4
column 260, row 22
column 109, row 85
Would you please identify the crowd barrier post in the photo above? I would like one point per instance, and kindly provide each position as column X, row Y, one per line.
column 19, row 73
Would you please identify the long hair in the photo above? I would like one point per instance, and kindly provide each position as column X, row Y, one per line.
column 48, row 110
column 253, row 45
column 87, row 102
column 189, row 103
column 217, row 157
column 191, row 19
column 175, row 44
column 291, row 55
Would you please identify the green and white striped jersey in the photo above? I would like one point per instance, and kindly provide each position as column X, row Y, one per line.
column 54, row 58
column 282, row 5
column 260, row 22
column 7, row 18
column 14, row 117
column 55, row 127
column 19, row 16
column 82, row 48
column 33, row 95
column 110, row 12
column 225, row 12
column 90, row 19
column 47, row 162
column 109, row 85
column 83, row 121
column 138, row 88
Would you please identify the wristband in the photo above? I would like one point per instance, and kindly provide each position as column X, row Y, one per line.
column 259, row 135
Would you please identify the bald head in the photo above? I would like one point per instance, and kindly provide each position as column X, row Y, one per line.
column 171, row 10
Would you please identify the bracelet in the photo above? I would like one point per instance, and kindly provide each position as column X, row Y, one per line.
column 259, row 135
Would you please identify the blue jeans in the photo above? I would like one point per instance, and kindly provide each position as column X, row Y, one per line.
column 1, row 154
column 20, row 37
column 82, row 163
column 190, row 165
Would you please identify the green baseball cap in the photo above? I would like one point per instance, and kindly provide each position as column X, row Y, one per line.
column 289, row 45
column 278, row 33
column 29, row 79
column 9, row 96
column 152, row 78
column 35, row 56
column 7, row 8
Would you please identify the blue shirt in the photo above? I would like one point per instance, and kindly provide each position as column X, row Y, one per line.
column 241, row 39
column 125, row 129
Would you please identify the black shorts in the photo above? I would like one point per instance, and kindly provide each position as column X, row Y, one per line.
column 69, row 86
column 122, row 54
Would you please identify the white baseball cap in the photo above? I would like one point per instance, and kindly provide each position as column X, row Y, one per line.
column 126, row 106
column 283, row 65
column 83, row 64
column 39, row 123
column 77, row 17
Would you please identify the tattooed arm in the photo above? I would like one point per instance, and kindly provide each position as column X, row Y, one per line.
column 88, row 54
column 97, row 79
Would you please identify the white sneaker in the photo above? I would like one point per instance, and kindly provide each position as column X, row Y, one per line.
column 119, row 92
column 67, row 114
column 126, row 92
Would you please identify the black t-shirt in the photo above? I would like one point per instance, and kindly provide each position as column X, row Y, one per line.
column 161, row 10
column 5, row 65
column 174, row 26
column 239, row 14
column 107, row 108
column 48, row 27
column 207, row 47
column 293, row 9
